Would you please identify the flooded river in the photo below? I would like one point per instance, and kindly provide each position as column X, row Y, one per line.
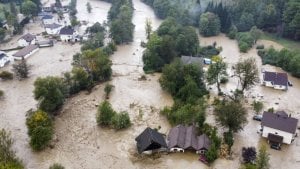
column 80, row 144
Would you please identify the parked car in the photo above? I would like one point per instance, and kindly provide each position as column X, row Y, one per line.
column 257, row 117
column 275, row 146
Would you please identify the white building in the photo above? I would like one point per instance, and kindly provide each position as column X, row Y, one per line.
column 25, row 52
column 4, row 59
column 48, row 19
column 53, row 29
column 27, row 39
column 279, row 128
column 67, row 34
column 276, row 80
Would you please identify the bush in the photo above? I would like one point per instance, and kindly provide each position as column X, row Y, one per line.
column 245, row 41
column 5, row 75
column 257, row 106
column 40, row 129
column 260, row 47
column 249, row 154
column 21, row 69
column 1, row 93
column 121, row 121
column 105, row 114
column 212, row 154
column 108, row 89
column 56, row 166
column 228, row 139
column 232, row 32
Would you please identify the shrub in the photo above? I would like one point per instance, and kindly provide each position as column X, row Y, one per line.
column 212, row 154
column 1, row 93
column 257, row 106
column 260, row 47
column 108, row 89
column 121, row 121
column 21, row 69
column 40, row 129
column 56, row 166
column 228, row 139
column 249, row 154
column 105, row 114
column 232, row 32
column 5, row 75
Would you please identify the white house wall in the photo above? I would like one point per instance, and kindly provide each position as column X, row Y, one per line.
column 26, row 56
column 287, row 137
column 279, row 87
column 48, row 21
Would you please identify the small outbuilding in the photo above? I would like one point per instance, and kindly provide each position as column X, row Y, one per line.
column 25, row 52
column 276, row 80
column 150, row 139
column 27, row 39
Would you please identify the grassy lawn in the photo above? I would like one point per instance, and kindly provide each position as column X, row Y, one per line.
column 287, row 43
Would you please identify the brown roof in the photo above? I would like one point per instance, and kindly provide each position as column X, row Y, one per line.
column 279, row 122
column 28, row 37
column 26, row 50
column 185, row 137
column 275, row 138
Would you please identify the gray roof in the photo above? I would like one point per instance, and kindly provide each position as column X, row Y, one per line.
column 186, row 138
column 28, row 37
column 66, row 31
column 189, row 60
column 52, row 26
column 2, row 55
column 276, row 78
column 279, row 122
column 47, row 17
column 26, row 50
column 150, row 139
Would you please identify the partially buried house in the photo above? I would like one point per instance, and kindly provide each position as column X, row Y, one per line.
column 182, row 138
column 150, row 139
column 25, row 52
column 276, row 80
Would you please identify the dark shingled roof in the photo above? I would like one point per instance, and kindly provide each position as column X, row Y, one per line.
column 47, row 17
column 189, row 60
column 66, row 31
column 26, row 50
column 203, row 142
column 150, row 139
column 275, row 138
column 186, row 138
column 52, row 26
column 279, row 122
column 276, row 78
column 28, row 37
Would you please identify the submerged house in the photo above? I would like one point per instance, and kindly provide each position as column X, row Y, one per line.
column 48, row 19
column 150, row 139
column 4, row 59
column 27, row 39
column 182, row 138
column 279, row 127
column 67, row 34
column 191, row 60
column 25, row 52
column 276, row 80
column 52, row 29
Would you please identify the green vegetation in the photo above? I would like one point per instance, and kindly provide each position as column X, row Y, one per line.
column 97, row 33
column 287, row 60
column 209, row 24
column 8, row 159
column 5, row 75
column 257, row 106
column 56, row 166
column 40, row 129
column 21, row 69
column 1, row 93
column 245, row 41
column 263, row 158
column 107, row 89
column 29, row 8
column 287, row 43
column 216, row 72
column 249, row 155
column 107, row 117
column 120, row 16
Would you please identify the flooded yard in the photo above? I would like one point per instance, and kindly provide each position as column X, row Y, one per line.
column 80, row 144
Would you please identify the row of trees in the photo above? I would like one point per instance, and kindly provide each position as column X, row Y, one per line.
column 120, row 21
column 286, row 59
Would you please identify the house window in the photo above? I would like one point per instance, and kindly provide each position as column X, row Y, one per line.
column 276, row 133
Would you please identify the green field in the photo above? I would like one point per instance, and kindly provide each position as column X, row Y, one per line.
column 287, row 43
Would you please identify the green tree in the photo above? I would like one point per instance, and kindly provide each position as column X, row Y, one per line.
column 50, row 92
column 105, row 114
column 262, row 160
column 231, row 114
column 8, row 159
column 257, row 106
column 56, row 166
column 215, row 72
column 2, row 34
column 88, row 7
column 255, row 33
column 209, row 24
column 29, row 8
column 121, row 120
column 40, row 129
column 247, row 73
column 246, row 22
column 212, row 153
column 148, row 28
column 21, row 69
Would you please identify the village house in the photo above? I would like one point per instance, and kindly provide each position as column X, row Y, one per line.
column 279, row 127
column 182, row 138
column 52, row 29
column 48, row 19
column 25, row 52
column 276, row 80
column 67, row 34
column 150, row 140
column 27, row 39
column 4, row 59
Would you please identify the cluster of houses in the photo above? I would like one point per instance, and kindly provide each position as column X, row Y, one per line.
column 180, row 139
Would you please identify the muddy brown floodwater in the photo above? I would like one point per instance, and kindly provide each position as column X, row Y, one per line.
column 80, row 144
